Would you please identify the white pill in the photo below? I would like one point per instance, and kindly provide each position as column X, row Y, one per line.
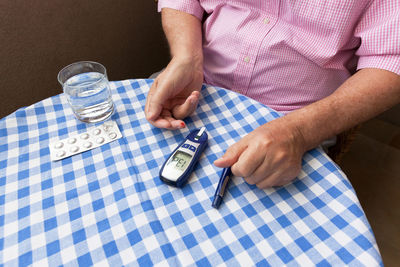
column 100, row 140
column 73, row 149
column 59, row 145
column 85, row 136
column 60, row 153
column 96, row 131
column 72, row 140
column 87, row 144
column 112, row 135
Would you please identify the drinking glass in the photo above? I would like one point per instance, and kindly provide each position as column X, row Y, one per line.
column 86, row 87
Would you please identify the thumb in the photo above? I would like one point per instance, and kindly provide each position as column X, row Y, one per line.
column 188, row 107
column 231, row 156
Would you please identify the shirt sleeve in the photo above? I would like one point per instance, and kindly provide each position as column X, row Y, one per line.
column 192, row 7
column 379, row 31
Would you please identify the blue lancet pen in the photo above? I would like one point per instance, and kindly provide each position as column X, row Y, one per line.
column 222, row 185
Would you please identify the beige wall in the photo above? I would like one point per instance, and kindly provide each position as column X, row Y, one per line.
column 38, row 38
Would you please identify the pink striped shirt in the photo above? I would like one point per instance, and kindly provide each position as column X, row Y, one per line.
column 288, row 54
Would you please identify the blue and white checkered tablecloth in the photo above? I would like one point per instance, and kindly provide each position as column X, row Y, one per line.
column 107, row 206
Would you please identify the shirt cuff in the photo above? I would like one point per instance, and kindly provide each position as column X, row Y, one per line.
column 188, row 6
column 390, row 63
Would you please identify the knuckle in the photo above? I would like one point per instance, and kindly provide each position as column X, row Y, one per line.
column 232, row 149
column 241, row 169
column 282, row 155
column 264, row 185
column 264, row 143
column 250, row 180
column 238, row 170
column 246, row 173
column 268, row 182
column 281, row 183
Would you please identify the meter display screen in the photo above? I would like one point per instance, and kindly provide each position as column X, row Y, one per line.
column 180, row 160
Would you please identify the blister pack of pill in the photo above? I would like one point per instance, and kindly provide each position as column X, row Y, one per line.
column 92, row 138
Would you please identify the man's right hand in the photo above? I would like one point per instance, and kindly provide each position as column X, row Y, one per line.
column 175, row 93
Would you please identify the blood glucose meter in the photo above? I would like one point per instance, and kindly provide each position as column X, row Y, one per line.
column 180, row 164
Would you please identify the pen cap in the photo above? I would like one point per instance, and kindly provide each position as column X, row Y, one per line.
column 216, row 202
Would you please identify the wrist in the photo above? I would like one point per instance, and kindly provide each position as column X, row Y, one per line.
column 298, row 127
column 188, row 61
column 309, row 127
column 188, row 58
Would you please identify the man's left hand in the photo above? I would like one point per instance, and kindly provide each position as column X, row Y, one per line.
column 269, row 156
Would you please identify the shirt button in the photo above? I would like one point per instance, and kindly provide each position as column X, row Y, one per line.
column 246, row 59
column 266, row 21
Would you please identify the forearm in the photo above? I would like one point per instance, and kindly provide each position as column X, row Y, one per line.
column 362, row 97
column 175, row 92
column 183, row 32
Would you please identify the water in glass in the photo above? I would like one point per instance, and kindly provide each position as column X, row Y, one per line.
column 89, row 96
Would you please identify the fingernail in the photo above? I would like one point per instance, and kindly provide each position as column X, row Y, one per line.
column 182, row 125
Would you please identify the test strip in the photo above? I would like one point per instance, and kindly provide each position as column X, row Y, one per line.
column 200, row 133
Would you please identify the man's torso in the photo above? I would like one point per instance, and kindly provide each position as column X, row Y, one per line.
column 285, row 54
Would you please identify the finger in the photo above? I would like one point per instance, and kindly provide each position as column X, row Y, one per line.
column 276, row 170
column 157, row 96
column 166, row 114
column 161, row 123
column 181, row 111
column 153, row 87
column 163, row 120
column 275, row 179
column 263, row 170
column 231, row 156
column 249, row 161
column 276, row 162
column 166, row 124
column 269, row 180
column 176, row 124
column 152, row 111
